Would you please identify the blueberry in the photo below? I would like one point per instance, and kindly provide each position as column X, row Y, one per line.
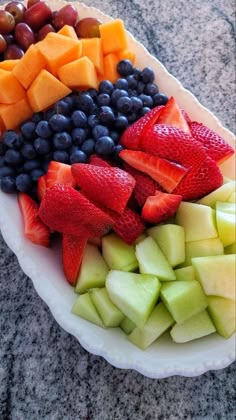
column 93, row 120
column 104, row 145
column 3, row 148
column 7, row 171
column 118, row 148
column 13, row 157
column 106, row 87
column 48, row 114
column 147, row 100
column 124, row 104
column 59, row 122
column 132, row 117
column 2, row 161
column 121, row 84
column 8, row 184
column 35, row 174
column 28, row 130
column 151, row 89
column 118, row 93
column 61, row 156
column 29, row 165
column 106, row 115
column 43, row 129
column 36, row 117
column 100, row 131
column 45, row 164
column 103, row 99
column 92, row 92
column 160, row 99
column 70, row 101
column 137, row 73
column 114, row 136
column 28, row 151
column 144, row 111
column 125, row 67
column 137, row 104
column 85, row 103
column 62, row 141
column 42, row 146
column 147, row 75
column 88, row 147
column 121, row 123
column 12, row 139
column 132, row 81
column 63, row 107
column 23, row 182
column 140, row 87
column 79, row 119
column 78, row 156
column 79, row 135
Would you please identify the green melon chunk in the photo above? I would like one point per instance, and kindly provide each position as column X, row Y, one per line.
column 127, row 325
column 84, row 307
column 117, row 254
column 222, row 312
column 185, row 273
column 195, row 327
column 220, row 194
column 183, row 299
column 226, row 207
column 216, row 275
column 134, row 294
column 171, row 240
column 226, row 179
column 109, row 313
column 203, row 248
column 158, row 322
column 230, row 249
column 232, row 198
column 152, row 260
column 93, row 270
column 226, row 226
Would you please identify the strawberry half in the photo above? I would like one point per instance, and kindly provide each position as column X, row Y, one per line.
column 109, row 186
column 129, row 226
column 72, row 254
column 171, row 114
column 216, row 147
column 34, row 229
column 41, row 187
column 160, row 207
column 98, row 161
column 167, row 174
column 59, row 173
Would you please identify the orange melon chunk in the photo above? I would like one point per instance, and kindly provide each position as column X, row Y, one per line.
column 110, row 65
column 113, row 36
column 10, row 89
column 29, row 66
column 14, row 114
column 126, row 55
column 92, row 48
column 80, row 74
column 45, row 91
column 8, row 64
column 69, row 31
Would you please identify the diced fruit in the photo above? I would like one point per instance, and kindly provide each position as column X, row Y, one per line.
column 113, row 36
column 232, row 197
column 216, row 275
column 110, row 62
column 88, row 28
column 84, row 307
column 41, row 187
column 171, row 115
column 152, row 260
column 72, row 254
column 197, row 326
column 109, row 313
column 171, row 240
column 222, row 312
column 8, row 64
column 220, row 194
column 92, row 48
column 24, row 71
column 11, row 90
column 198, row 221
column 126, row 54
column 129, row 226
column 13, row 114
column 230, row 249
column 183, row 299
column 118, row 254
column 93, row 270
column 68, row 30
column 59, row 173
column 226, row 207
column 134, row 294
column 79, row 74
column 185, row 273
column 127, row 325
column 160, row 207
column 226, row 226
column 202, row 248
column 158, row 322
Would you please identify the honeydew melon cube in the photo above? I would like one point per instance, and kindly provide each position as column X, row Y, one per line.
column 216, row 275
column 93, row 270
column 226, row 179
column 140, row 238
column 222, row 312
column 171, row 240
column 85, row 308
column 117, row 254
column 158, row 322
column 198, row 221
column 152, row 260
column 232, row 198
column 205, row 247
column 134, row 294
column 230, row 249
column 127, row 325
column 220, row 194
column 185, row 273
column 195, row 327
column 183, row 299
column 226, row 207
column 226, row 226
column 109, row 313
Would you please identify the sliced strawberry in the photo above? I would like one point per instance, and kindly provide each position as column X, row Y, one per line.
column 129, row 226
column 167, row 174
column 41, row 187
column 171, row 115
column 72, row 254
column 186, row 117
column 108, row 186
column 34, row 229
column 98, row 161
column 66, row 210
column 217, row 148
column 160, row 207
column 131, row 136
column 59, row 173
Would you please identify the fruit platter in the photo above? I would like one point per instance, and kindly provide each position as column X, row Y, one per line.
column 117, row 191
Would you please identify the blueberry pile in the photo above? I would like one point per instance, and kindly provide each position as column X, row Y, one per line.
column 76, row 127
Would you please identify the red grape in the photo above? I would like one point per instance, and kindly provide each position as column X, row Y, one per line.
column 37, row 15
column 3, row 44
column 24, row 35
column 7, row 22
column 30, row 3
column 13, row 52
column 16, row 9
column 67, row 15
column 88, row 28
column 44, row 31
column 9, row 39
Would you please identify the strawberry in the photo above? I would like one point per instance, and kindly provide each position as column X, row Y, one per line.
column 59, row 173
column 129, row 226
column 216, row 147
column 72, row 253
column 109, row 186
column 186, row 117
column 171, row 115
column 160, row 207
column 34, row 229
column 41, row 187
column 167, row 174
column 66, row 210
column 98, row 161
column 131, row 136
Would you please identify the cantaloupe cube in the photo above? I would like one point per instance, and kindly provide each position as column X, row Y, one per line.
column 92, row 48
column 14, row 114
column 110, row 67
column 45, row 91
column 113, row 36
column 126, row 55
column 58, row 50
column 29, row 66
column 79, row 74
column 69, row 31
column 10, row 89
column 8, row 64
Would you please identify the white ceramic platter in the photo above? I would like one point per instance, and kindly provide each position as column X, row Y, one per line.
column 43, row 266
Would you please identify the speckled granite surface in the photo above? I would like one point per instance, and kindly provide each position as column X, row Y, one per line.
column 44, row 372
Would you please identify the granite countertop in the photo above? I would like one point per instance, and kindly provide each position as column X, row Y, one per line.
column 44, row 372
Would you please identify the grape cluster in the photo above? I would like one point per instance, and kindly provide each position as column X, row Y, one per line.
column 77, row 126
